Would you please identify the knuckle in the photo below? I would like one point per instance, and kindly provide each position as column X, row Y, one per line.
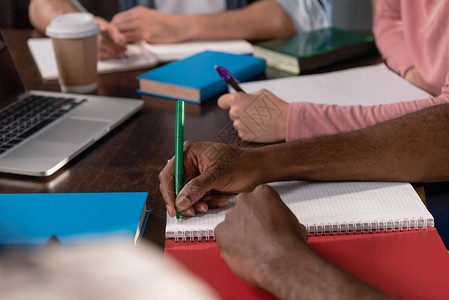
column 223, row 99
column 189, row 199
column 241, row 134
column 240, row 198
column 188, row 144
column 233, row 96
column 235, row 110
column 194, row 146
column 229, row 214
column 263, row 188
column 219, row 228
column 147, row 35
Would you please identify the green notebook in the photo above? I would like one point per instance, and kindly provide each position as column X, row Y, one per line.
column 314, row 49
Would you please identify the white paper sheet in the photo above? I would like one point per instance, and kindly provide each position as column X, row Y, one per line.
column 358, row 86
column 138, row 57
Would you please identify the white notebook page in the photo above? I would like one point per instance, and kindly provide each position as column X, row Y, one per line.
column 44, row 56
column 358, row 86
column 138, row 57
column 360, row 205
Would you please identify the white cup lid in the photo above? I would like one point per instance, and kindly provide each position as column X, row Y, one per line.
column 72, row 26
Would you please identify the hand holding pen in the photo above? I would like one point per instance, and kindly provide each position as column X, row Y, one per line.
column 111, row 42
column 229, row 78
column 266, row 128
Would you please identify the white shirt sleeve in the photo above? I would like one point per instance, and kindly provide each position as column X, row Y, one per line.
column 189, row 7
column 309, row 14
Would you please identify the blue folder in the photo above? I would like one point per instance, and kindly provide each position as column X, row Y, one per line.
column 30, row 219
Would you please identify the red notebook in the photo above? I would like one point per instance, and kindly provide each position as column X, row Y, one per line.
column 404, row 265
column 409, row 263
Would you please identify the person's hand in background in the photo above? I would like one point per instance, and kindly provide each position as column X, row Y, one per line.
column 111, row 43
column 259, row 117
column 413, row 76
column 149, row 25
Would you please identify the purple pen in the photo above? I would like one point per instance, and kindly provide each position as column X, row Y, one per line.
column 227, row 76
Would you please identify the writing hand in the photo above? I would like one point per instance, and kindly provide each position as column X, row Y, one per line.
column 141, row 23
column 112, row 43
column 260, row 117
column 208, row 168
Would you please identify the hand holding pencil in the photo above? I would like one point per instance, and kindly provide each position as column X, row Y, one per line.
column 111, row 42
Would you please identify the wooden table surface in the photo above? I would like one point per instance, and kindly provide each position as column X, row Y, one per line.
column 129, row 158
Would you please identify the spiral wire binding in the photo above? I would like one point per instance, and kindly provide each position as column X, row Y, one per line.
column 370, row 227
column 316, row 229
column 190, row 235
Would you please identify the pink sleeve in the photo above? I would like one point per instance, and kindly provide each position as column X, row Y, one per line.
column 306, row 120
column 389, row 36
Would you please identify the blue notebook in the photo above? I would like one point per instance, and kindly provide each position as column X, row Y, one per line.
column 194, row 79
column 30, row 219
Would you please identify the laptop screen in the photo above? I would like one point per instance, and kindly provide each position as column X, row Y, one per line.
column 10, row 83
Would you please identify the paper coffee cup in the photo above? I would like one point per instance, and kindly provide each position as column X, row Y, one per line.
column 74, row 38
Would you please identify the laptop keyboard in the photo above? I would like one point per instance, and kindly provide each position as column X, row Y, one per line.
column 29, row 115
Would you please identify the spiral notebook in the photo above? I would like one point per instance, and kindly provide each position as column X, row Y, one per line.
column 329, row 207
column 386, row 239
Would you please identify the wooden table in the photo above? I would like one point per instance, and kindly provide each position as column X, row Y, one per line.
column 129, row 158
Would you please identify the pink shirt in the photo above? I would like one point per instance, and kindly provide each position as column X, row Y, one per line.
column 404, row 40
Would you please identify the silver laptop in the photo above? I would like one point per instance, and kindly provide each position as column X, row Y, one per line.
column 41, row 131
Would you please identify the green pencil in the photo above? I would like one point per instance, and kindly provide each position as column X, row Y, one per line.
column 179, row 149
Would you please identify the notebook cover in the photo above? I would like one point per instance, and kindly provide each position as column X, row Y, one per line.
column 405, row 265
column 317, row 48
column 198, row 72
column 204, row 260
column 29, row 219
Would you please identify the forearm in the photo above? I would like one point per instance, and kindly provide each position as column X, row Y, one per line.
column 41, row 12
column 306, row 120
column 412, row 148
column 247, row 23
column 301, row 274
column 389, row 36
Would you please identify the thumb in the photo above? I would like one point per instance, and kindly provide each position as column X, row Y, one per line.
column 225, row 101
column 193, row 191
column 116, row 35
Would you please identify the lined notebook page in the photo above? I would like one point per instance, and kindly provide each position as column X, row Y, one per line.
column 336, row 206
